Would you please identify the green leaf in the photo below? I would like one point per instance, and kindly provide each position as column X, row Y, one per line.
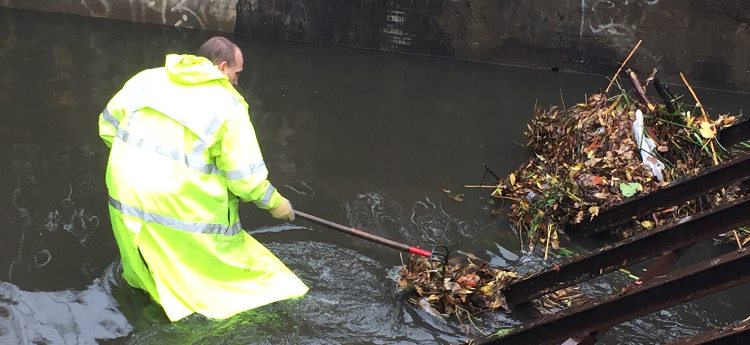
column 503, row 331
column 629, row 189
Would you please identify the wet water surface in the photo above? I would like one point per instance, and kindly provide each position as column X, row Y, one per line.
column 368, row 139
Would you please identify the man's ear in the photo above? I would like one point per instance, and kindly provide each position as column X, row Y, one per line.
column 222, row 65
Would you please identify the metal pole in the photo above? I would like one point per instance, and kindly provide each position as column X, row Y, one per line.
column 364, row 235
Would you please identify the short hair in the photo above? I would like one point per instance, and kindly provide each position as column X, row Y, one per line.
column 218, row 49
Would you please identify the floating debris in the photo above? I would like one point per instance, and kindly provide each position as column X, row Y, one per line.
column 595, row 154
column 559, row 300
column 454, row 289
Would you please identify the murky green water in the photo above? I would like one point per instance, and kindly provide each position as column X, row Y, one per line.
column 364, row 138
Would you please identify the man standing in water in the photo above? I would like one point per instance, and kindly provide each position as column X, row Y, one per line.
column 182, row 152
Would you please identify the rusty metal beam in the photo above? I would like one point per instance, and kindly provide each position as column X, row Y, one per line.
column 737, row 334
column 735, row 134
column 693, row 282
column 679, row 192
column 631, row 251
column 660, row 267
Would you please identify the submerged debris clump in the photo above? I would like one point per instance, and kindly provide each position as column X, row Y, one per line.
column 454, row 289
column 596, row 154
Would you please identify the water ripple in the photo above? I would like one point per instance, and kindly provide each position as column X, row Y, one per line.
column 61, row 317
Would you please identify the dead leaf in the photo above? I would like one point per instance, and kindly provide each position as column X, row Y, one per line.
column 593, row 211
column 707, row 130
column 578, row 218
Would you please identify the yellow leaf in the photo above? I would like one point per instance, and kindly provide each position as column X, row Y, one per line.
column 689, row 119
column 593, row 211
column 512, row 179
column 646, row 224
column 707, row 130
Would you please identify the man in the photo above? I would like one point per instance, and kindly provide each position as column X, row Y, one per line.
column 182, row 152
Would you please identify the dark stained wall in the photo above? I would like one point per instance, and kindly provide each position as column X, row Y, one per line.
column 216, row 15
column 707, row 40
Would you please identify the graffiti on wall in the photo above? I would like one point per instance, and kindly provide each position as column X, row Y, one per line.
column 206, row 15
column 612, row 17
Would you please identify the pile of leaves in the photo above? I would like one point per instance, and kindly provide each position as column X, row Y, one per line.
column 454, row 289
column 585, row 159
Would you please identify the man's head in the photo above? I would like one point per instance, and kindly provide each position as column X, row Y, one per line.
column 226, row 55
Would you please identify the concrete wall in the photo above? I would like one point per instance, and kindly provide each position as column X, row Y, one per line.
column 707, row 40
column 217, row 15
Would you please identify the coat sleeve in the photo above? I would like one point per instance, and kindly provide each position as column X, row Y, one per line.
column 110, row 118
column 238, row 156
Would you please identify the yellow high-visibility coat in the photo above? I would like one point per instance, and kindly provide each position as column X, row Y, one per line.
column 182, row 151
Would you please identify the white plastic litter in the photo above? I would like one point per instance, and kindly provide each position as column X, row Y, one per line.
column 647, row 146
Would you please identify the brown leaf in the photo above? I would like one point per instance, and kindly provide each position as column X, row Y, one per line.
column 468, row 280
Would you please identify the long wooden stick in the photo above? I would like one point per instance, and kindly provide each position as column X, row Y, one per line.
column 705, row 116
column 737, row 238
column 606, row 91
column 639, row 89
column 549, row 234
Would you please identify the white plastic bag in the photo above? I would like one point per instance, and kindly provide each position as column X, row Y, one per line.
column 647, row 146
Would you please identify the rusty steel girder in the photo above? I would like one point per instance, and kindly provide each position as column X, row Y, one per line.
column 712, row 179
column 631, row 251
column 692, row 282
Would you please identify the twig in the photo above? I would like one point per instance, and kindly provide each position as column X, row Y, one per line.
column 639, row 90
column 478, row 186
column 606, row 91
column 705, row 116
column 546, row 247
column 562, row 100
column 505, row 197
column 737, row 238
column 629, row 274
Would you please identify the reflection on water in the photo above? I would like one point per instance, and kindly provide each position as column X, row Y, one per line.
column 61, row 317
column 661, row 327
column 426, row 222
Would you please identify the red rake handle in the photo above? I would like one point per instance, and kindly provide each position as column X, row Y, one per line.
column 363, row 235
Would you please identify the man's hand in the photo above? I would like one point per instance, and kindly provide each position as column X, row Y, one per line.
column 283, row 211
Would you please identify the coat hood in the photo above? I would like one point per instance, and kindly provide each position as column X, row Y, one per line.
column 191, row 69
